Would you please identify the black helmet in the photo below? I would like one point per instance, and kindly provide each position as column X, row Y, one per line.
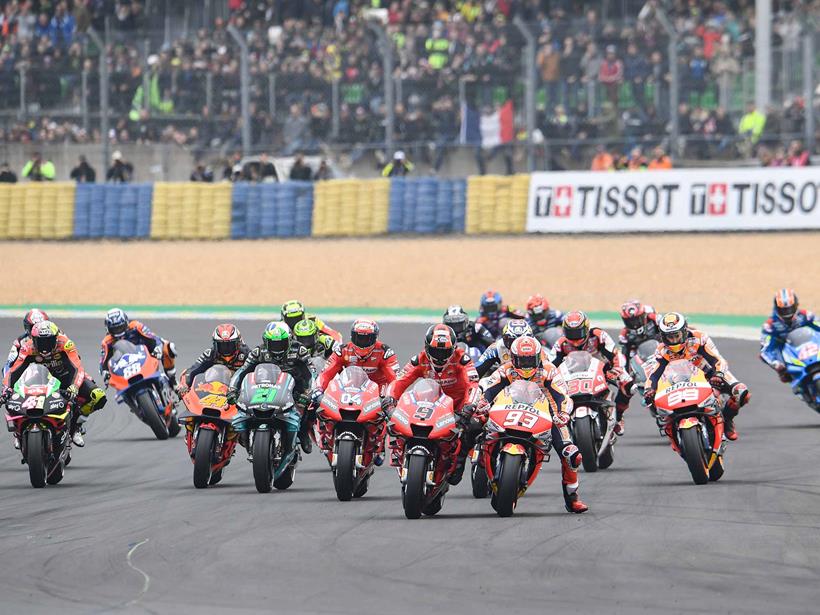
column 456, row 318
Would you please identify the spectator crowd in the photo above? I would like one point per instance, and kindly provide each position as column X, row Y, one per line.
column 600, row 80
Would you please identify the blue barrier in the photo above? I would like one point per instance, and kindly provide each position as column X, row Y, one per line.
column 271, row 210
column 112, row 210
column 427, row 205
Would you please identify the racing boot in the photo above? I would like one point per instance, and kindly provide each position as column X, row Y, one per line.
column 458, row 472
column 304, row 440
column 78, row 431
column 16, row 442
column 729, row 423
column 619, row 428
column 572, row 501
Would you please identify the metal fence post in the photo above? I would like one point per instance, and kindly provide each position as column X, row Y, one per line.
column 389, row 91
column 209, row 92
column 104, row 89
column 674, row 79
column 146, row 79
column 244, row 85
column 22, row 91
column 84, row 99
column 808, row 85
column 529, row 88
column 763, row 54
column 272, row 94
column 335, row 104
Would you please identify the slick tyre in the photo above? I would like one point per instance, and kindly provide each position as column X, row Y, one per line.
column 509, row 481
column 479, row 482
column 412, row 496
column 345, row 472
column 36, row 458
column 717, row 470
column 692, row 445
column 149, row 414
column 585, row 441
column 262, row 461
column 286, row 479
column 203, row 454
column 173, row 426
column 57, row 474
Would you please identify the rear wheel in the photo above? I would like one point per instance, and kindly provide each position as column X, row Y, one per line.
column 36, row 458
column 692, row 445
column 344, row 473
column 203, row 454
column 152, row 418
column 585, row 441
column 412, row 496
column 509, row 480
column 262, row 456
column 480, row 482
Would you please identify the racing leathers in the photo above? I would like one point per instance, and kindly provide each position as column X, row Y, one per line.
column 552, row 384
column 139, row 334
column 323, row 348
column 491, row 358
column 546, row 320
column 476, row 335
column 380, row 365
column 700, row 350
column 64, row 364
column 773, row 338
column 207, row 359
column 494, row 321
column 324, row 329
column 630, row 339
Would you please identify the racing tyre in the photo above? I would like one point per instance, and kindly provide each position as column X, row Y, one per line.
column 692, row 445
column 174, row 427
column 203, row 454
column 412, row 494
column 148, row 411
column 362, row 488
column 36, row 458
column 717, row 469
column 509, row 481
column 607, row 457
column 585, row 441
column 262, row 461
column 434, row 507
column 57, row 474
column 215, row 477
column 480, row 482
column 286, row 479
column 345, row 472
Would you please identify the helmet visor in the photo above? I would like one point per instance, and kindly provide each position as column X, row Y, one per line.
column 635, row 322
column 439, row 356
column 45, row 344
column 277, row 346
column 525, row 362
column 491, row 307
column 308, row 341
column 787, row 313
column 576, row 334
column 117, row 329
column 458, row 325
column 673, row 339
column 227, row 349
column 364, row 340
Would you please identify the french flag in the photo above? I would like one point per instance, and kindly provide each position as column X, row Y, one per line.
column 487, row 130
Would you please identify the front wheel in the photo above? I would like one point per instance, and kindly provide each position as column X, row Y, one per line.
column 345, row 472
column 285, row 480
column 203, row 454
column 509, row 481
column 480, row 482
column 693, row 452
column 585, row 441
column 262, row 470
column 36, row 458
column 173, row 426
column 152, row 418
column 413, row 490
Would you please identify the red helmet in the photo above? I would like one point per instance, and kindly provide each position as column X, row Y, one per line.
column 440, row 345
column 526, row 356
column 785, row 304
column 363, row 335
column 633, row 313
column 576, row 327
column 537, row 307
column 32, row 317
column 227, row 341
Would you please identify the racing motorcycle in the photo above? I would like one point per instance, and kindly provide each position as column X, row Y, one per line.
column 548, row 337
column 142, row 385
column 801, row 354
column 641, row 363
column 592, row 421
column 425, row 440
column 39, row 415
column 207, row 418
column 269, row 415
column 350, row 428
column 686, row 400
column 518, row 437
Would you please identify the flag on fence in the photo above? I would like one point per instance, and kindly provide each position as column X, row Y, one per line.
column 487, row 130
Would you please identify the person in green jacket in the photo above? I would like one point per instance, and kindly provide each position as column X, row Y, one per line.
column 38, row 170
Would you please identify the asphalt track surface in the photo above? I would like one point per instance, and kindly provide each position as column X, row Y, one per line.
column 127, row 531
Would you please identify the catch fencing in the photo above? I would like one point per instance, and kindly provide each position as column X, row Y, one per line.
column 678, row 200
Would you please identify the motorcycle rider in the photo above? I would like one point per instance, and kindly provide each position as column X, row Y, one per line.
column 469, row 332
column 318, row 344
column 679, row 341
column 499, row 352
column 293, row 311
column 786, row 317
column 50, row 347
column 541, row 316
column 579, row 335
column 528, row 362
column 31, row 318
column 276, row 348
column 227, row 348
column 120, row 327
column 363, row 350
column 443, row 361
column 640, row 324
column 493, row 311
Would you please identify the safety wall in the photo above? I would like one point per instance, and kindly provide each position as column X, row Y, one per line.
column 729, row 199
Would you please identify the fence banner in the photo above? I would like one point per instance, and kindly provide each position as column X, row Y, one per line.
column 684, row 200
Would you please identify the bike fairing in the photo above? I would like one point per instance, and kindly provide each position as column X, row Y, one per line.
column 774, row 332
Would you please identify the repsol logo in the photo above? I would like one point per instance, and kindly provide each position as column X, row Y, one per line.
column 594, row 201
column 762, row 198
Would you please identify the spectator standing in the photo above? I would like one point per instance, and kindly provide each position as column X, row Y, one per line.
column 636, row 72
column 38, row 170
column 603, row 160
column 300, row 171
column 7, row 176
column 660, row 161
column 798, row 155
column 570, row 71
column 201, row 173
column 549, row 62
column 120, row 171
column 267, row 171
column 611, row 75
column 83, row 173
column 323, row 172
column 398, row 167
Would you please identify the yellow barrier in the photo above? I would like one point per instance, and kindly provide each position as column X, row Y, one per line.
column 191, row 210
column 497, row 204
column 344, row 207
column 37, row 210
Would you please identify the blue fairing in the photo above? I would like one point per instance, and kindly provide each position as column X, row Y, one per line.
column 801, row 354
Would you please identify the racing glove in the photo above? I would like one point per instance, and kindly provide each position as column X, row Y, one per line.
column 740, row 394
column 5, row 395
column 648, row 397
column 106, row 376
column 157, row 352
column 465, row 414
column 233, row 395
column 182, row 389
column 572, row 455
column 388, row 403
column 316, row 397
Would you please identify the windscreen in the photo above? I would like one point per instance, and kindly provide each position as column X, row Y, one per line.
column 353, row 377
column 525, row 392
column 122, row 347
column 426, row 390
column 35, row 375
column 647, row 349
column 218, row 373
column 578, row 361
column 801, row 336
column 679, row 371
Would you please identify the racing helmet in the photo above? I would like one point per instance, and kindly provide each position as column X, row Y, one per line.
column 576, row 327
column 440, row 345
column 785, row 304
column 292, row 312
column 276, row 339
column 116, row 322
column 515, row 329
column 31, row 318
column 44, row 335
column 363, row 335
column 537, row 308
column 306, row 333
column 456, row 318
column 633, row 313
column 227, row 341
column 525, row 354
column 674, row 331
column 490, row 303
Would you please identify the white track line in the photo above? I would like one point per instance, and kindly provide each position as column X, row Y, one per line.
column 147, row 580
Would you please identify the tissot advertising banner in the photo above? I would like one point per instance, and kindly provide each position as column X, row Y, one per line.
column 685, row 200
